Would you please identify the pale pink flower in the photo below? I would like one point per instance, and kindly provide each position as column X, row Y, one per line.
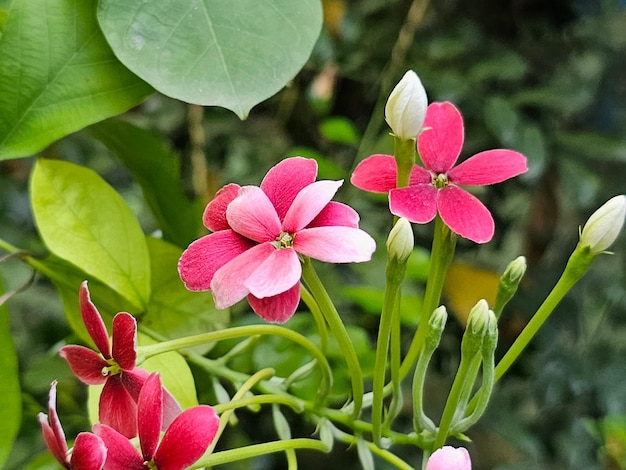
column 449, row 458
column 436, row 187
column 259, row 233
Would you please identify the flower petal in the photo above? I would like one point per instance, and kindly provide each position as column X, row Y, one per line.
column 89, row 452
column 205, row 256
column 449, row 458
column 278, row 273
column 420, row 175
column 121, row 454
column 149, row 415
column 284, row 181
column 416, row 203
column 214, row 217
column 133, row 381
column 117, row 408
column 489, row 167
column 278, row 308
column 86, row 364
column 465, row 214
column 124, row 339
column 228, row 284
column 51, row 428
column 187, row 438
column 336, row 213
column 335, row 244
column 308, row 204
column 252, row 215
column 93, row 321
column 377, row 174
column 441, row 139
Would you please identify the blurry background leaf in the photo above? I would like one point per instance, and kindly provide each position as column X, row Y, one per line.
column 465, row 285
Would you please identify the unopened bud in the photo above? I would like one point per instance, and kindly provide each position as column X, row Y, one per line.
column 509, row 282
column 400, row 240
column 604, row 225
column 478, row 319
column 406, row 107
column 438, row 318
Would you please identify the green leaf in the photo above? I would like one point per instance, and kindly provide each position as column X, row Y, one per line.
column 57, row 75
column 156, row 168
column 213, row 52
column 339, row 129
column 10, row 395
column 83, row 221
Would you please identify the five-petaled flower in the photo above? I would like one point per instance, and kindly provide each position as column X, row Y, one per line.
column 184, row 441
column 259, row 233
column 435, row 188
column 89, row 451
column 114, row 367
column 449, row 458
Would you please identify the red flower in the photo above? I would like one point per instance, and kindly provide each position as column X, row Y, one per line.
column 436, row 187
column 114, row 367
column 183, row 443
column 88, row 453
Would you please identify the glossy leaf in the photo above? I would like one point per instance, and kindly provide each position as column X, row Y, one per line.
column 83, row 221
column 57, row 75
column 213, row 52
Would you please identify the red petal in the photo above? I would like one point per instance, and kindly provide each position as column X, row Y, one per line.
column 420, row 175
column 377, row 174
column 51, row 428
column 335, row 244
column 465, row 214
column 86, row 364
column 89, row 452
column 117, row 408
column 171, row 409
column 417, row 203
column 133, row 381
column 489, row 167
column 93, row 321
column 308, row 204
column 214, row 217
column 278, row 308
column 252, row 215
column 336, row 213
column 124, row 340
column 279, row 272
column 121, row 454
column 284, row 181
column 205, row 256
column 187, row 438
column 441, row 140
column 149, row 415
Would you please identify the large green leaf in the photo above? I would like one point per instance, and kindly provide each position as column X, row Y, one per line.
column 57, row 75
column 10, row 397
column 83, row 221
column 226, row 53
column 156, row 168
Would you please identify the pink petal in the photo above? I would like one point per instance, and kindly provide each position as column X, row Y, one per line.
column 89, row 452
column 308, row 204
column 124, row 340
column 149, row 415
column 51, row 428
column 117, row 408
column 285, row 180
column 335, row 244
column 86, row 364
column 278, row 308
column 377, row 174
column 441, row 139
column 420, row 175
column 417, row 203
column 252, row 215
column 121, row 454
column 489, row 167
column 465, row 214
column 336, row 213
column 214, row 217
column 228, row 284
column 93, row 321
column 187, row 438
column 449, row 458
column 205, row 256
column 278, row 273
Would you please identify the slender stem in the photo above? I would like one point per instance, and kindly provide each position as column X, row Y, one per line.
column 6, row 246
column 322, row 328
column 395, row 355
column 274, row 399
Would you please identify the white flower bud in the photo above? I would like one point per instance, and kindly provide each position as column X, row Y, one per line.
column 479, row 318
column 406, row 107
column 604, row 225
column 400, row 240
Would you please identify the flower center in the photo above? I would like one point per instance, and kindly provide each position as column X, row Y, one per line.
column 151, row 465
column 284, row 240
column 111, row 369
column 440, row 181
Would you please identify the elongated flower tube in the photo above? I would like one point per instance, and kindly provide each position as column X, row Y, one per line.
column 604, row 225
column 259, row 233
column 406, row 107
column 450, row 458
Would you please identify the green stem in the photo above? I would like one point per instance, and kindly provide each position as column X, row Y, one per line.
column 287, row 400
column 404, row 152
column 338, row 329
column 6, row 246
column 317, row 316
column 395, row 407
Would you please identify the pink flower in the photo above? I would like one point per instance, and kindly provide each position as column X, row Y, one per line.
column 114, row 367
column 260, row 232
column 449, row 458
column 436, row 187
column 89, row 451
column 183, row 443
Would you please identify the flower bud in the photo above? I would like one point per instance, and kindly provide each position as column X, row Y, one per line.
column 406, row 107
column 400, row 241
column 448, row 458
column 604, row 225
column 478, row 319
column 509, row 282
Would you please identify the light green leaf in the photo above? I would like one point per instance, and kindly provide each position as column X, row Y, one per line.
column 83, row 221
column 57, row 75
column 213, row 52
